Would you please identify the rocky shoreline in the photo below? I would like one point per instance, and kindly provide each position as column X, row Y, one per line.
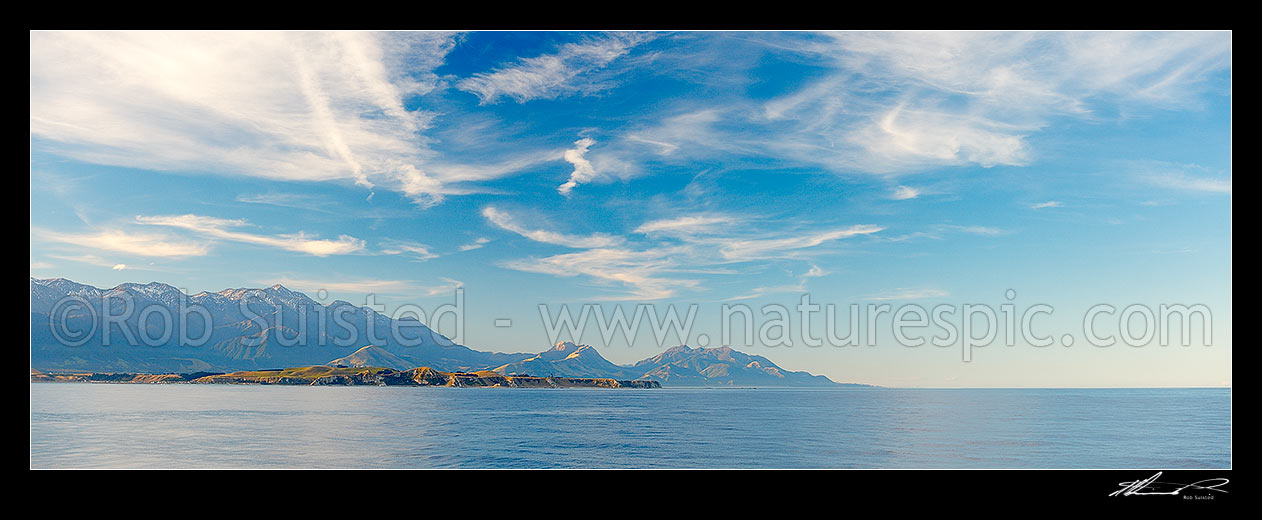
column 347, row 376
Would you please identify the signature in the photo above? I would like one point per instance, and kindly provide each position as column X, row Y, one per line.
column 1151, row 486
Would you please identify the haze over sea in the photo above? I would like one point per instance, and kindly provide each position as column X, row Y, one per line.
column 77, row 425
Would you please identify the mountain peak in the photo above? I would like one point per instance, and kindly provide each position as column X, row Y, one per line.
column 677, row 349
column 561, row 350
column 275, row 294
column 153, row 290
column 566, row 359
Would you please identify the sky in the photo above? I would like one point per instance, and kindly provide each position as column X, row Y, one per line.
column 663, row 170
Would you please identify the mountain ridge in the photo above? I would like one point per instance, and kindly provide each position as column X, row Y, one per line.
column 240, row 337
column 248, row 328
column 680, row 365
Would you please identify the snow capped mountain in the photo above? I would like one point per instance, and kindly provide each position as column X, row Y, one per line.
column 233, row 329
column 566, row 359
column 275, row 327
column 275, row 295
column 677, row 366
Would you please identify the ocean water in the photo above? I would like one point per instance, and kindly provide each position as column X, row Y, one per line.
column 78, row 425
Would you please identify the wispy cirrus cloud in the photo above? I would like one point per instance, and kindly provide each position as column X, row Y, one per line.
column 298, row 106
column 643, row 274
column 1047, row 204
column 126, row 242
column 957, row 98
column 1181, row 177
column 687, row 224
column 742, row 249
column 420, row 252
column 225, row 229
column 1191, row 183
column 506, row 221
column 550, row 76
column 476, row 244
column 678, row 245
column 941, row 231
column 446, row 288
column 903, row 138
column 301, row 201
column 896, row 103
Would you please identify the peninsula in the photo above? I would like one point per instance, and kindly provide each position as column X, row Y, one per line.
column 348, row 376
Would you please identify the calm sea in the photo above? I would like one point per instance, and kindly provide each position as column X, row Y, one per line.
column 210, row 426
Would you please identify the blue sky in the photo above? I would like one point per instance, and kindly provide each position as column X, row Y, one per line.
column 685, row 168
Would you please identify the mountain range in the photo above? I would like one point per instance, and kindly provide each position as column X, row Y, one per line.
column 677, row 366
column 252, row 329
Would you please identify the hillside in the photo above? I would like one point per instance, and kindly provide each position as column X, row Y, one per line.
column 372, row 356
column 677, row 366
column 247, row 329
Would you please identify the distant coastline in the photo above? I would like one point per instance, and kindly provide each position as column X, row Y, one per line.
column 346, row 376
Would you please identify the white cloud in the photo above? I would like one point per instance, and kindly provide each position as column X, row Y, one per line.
column 687, row 225
column 119, row 241
column 649, row 271
column 1037, row 72
column 905, row 193
column 1048, row 204
column 1195, row 184
column 419, row 251
column 450, row 173
column 1188, row 178
column 221, row 229
column 506, row 221
column 665, row 147
column 476, row 244
column 551, row 76
column 904, row 139
column 688, row 131
column 939, row 232
column 119, row 267
column 301, row 201
column 41, row 265
column 447, row 288
column 305, row 106
column 898, row 102
column 642, row 272
column 583, row 170
column 742, row 249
